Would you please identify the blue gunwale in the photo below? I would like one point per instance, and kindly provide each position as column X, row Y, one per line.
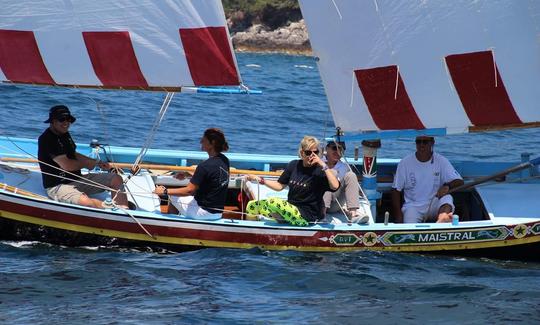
column 265, row 162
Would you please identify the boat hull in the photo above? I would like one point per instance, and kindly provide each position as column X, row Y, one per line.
column 33, row 219
column 17, row 231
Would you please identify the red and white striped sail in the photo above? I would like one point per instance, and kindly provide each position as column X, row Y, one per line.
column 139, row 44
column 459, row 65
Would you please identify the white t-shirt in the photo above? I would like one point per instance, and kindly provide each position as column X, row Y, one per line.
column 420, row 181
column 340, row 167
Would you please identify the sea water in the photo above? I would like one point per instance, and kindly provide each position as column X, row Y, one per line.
column 46, row 284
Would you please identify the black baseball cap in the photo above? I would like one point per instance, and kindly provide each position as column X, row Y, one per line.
column 339, row 143
column 59, row 111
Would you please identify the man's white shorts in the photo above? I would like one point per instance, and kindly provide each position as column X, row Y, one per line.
column 188, row 207
column 416, row 213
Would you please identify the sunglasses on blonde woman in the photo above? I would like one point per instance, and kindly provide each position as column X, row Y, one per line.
column 309, row 152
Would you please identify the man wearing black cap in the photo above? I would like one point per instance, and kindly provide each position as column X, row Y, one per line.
column 61, row 165
column 425, row 177
column 347, row 195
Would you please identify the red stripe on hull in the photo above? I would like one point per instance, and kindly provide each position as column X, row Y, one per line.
column 20, row 59
column 113, row 59
column 209, row 56
column 485, row 101
column 255, row 238
column 227, row 235
column 390, row 111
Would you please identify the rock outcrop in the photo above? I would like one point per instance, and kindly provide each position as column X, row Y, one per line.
column 292, row 38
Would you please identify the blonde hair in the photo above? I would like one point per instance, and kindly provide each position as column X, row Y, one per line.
column 308, row 142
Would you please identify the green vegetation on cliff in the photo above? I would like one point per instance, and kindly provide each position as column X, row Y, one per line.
column 271, row 13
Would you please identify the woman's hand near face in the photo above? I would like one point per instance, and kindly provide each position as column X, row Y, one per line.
column 316, row 160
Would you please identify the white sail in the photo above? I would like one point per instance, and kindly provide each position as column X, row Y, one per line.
column 456, row 65
column 116, row 43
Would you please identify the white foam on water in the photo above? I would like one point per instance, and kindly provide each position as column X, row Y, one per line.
column 19, row 244
column 91, row 248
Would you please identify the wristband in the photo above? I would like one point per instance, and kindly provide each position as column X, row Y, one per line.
column 261, row 180
column 325, row 168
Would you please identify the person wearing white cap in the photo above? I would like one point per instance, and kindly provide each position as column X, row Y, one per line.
column 346, row 197
column 424, row 177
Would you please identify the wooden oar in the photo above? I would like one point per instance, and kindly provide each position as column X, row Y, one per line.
column 192, row 169
column 17, row 190
column 25, row 160
column 484, row 179
column 159, row 167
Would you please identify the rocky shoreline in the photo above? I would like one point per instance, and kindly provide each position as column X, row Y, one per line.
column 291, row 39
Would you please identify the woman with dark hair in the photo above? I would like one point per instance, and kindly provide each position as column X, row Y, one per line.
column 204, row 196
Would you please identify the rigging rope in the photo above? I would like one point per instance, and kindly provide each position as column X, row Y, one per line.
column 136, row 220
column 352, row 90
column 153, row 131
column 397, row 82
column 494, row 65
column 449, row 76
column 337, row 9
column 82, row 179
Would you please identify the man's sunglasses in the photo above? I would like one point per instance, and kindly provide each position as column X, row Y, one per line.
column 309, row 152
column 423, row 141
column 335, row 148
column 62, row 119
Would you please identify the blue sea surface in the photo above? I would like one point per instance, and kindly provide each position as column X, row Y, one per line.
column 45, row 284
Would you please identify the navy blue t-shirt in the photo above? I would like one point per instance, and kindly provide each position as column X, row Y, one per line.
column 306, row 188
column 212, row 177
column 51, row 145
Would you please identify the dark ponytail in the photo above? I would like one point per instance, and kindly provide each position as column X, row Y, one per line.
column 216, row 137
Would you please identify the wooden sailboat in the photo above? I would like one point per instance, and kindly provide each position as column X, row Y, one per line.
column 184, row 46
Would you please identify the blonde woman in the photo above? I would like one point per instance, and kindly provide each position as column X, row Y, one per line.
column 308, row 179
